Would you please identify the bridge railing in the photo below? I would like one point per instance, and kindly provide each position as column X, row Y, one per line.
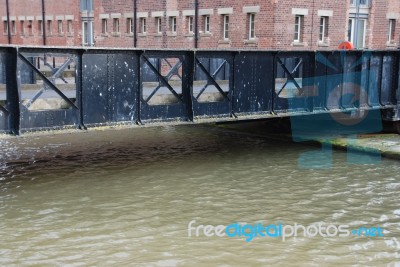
column 51, row 88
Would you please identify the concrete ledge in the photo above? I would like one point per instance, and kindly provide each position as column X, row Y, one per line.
column 172, row 13
column 115, row 15
column 60, row 17
column 21, row 18
column 69, row 17
column 203, row 12
column 300, row 11
column 104, row 16
column 225, row 11
column 392, row 15
column 142, row 14
column 157, row 14
column 251, row 9
column 186, row 13
column 325, row 13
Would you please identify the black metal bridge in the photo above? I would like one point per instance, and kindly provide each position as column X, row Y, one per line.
column 53, row 88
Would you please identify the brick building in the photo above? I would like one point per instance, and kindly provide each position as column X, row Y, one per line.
column 223, row 24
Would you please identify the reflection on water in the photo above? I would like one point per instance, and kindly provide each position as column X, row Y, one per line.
column 126, row 197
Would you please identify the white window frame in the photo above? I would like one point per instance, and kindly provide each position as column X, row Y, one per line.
column 104, row 26
column 13, row 27
column 22, row 27
column 322, row 29
column 158, row 25
column 190, row 24
column 252, row 28
column 353, row 24
column 60, row 29
column 40, row 27
column 207, row 27
column 49, row 27
column 225, row 33
column 365, row 4
column 172, row 22
column 90, row 29
column 143, row 25
column 298, row 20
column 5, row 26
column 30, row 27
column 391, row 31
column 129, row 25
column 69, row 26
column 115, row 25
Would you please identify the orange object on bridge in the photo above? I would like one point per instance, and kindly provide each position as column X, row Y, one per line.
column 346, row 46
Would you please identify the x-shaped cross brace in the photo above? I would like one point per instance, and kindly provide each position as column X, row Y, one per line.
column 164, row 79
column 290, row 74
column 47, row 82
column 211, row 79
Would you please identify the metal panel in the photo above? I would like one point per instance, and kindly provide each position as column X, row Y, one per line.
column 294, row 72
column 56, row 116
column 212, row 97
column 110, row 83
column 168, row 98
column 3, row 93
column 254, row 83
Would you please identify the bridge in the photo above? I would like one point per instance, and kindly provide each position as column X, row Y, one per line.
column 56, row 88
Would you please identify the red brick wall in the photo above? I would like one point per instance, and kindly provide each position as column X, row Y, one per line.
column 274, row 24
column 379, row 24
column 34, row 8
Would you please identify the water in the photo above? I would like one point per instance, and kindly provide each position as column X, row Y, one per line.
column 125, row 198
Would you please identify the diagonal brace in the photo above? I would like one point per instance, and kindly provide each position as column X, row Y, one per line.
column 211, row 79
column 47, row 81
column 162, row 79
column 290, row 75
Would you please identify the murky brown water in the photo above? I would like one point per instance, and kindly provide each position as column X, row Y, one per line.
column 125, row 198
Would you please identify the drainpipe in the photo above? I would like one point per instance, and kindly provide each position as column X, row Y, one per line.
column 196, row 21
column 312, row 24
column 44, row 23
column 356, row 24
column 134, row 23
column 8, row 22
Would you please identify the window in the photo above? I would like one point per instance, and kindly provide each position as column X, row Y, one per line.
column 129, row 26
column 115, row 25
column 49, row 27
column 190, row 24
column 323, row 29
column 158, row 25
column 86, row 5
column 391, row 30
column 13, row 28
column 172, row 23
column 143, row 26
column 5, row 27
column 226, row 27
column 30, row 27
column 207, row 24
column 362, row 2
column 357, row 37
column 87, row 30
column 252, row 17
column 298, row 23
column 69, row 26
column 104, row 26
column 40, row 27
column 59, row 26
column 22, row 27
